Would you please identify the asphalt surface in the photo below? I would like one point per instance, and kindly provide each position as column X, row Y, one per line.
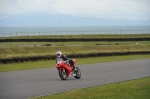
column 38, row 82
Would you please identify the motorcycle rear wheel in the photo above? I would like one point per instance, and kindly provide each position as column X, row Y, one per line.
column 62, row 74
column 78, row 73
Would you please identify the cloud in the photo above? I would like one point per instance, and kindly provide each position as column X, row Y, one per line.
column 118, row 9
column 6, row 9
column 105, row 8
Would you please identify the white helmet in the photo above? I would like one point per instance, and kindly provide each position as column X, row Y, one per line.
column 58, row 53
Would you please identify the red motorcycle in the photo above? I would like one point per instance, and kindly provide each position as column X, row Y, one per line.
column 65, row 70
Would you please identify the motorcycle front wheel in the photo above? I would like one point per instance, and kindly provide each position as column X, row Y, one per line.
column 62, row 74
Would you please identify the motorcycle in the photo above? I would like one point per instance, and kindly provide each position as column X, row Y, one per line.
column 65, row 70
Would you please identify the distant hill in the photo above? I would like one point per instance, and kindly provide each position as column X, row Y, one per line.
column 65, row 20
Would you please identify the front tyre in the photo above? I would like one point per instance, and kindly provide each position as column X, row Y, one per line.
column 78, row 73
column 62, row 74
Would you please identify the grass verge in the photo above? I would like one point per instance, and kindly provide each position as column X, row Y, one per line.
column 26, row 51
column 8, row 44
column 135, row 89
column 51, row 63
column 81, row 36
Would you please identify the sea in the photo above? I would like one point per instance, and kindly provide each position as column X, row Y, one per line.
column 8, row 31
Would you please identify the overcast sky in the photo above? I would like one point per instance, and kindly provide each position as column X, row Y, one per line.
column 118, row 9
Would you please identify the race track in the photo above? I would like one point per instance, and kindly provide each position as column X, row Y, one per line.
column 30, row 83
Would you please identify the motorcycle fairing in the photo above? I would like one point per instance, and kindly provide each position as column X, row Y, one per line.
column 63, row 66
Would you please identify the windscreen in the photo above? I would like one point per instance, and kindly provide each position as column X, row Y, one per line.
column 58, row 60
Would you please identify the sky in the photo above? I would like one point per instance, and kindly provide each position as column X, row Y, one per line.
column 116, row 9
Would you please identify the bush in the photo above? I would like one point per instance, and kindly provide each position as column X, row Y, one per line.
column 48, row 45
column 100, row 44
column 117, row 44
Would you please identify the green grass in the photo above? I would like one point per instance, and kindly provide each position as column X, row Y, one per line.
column 134, row 89
column 26, row 51
column 7, row 44
column 51, row 63
column 82, row 36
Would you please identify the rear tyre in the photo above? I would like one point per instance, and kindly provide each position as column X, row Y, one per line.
column 62, row 74
column 78, row 73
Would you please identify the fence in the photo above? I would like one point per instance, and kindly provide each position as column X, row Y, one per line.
column 75, row 33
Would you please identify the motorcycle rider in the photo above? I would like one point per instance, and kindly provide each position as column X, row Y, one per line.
column 65, row 58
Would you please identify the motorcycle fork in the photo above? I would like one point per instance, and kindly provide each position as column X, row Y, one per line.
column 63, row 69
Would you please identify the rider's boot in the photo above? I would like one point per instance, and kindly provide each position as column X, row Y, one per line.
column 73, row 68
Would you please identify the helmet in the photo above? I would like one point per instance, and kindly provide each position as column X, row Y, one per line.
column 58, row 53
